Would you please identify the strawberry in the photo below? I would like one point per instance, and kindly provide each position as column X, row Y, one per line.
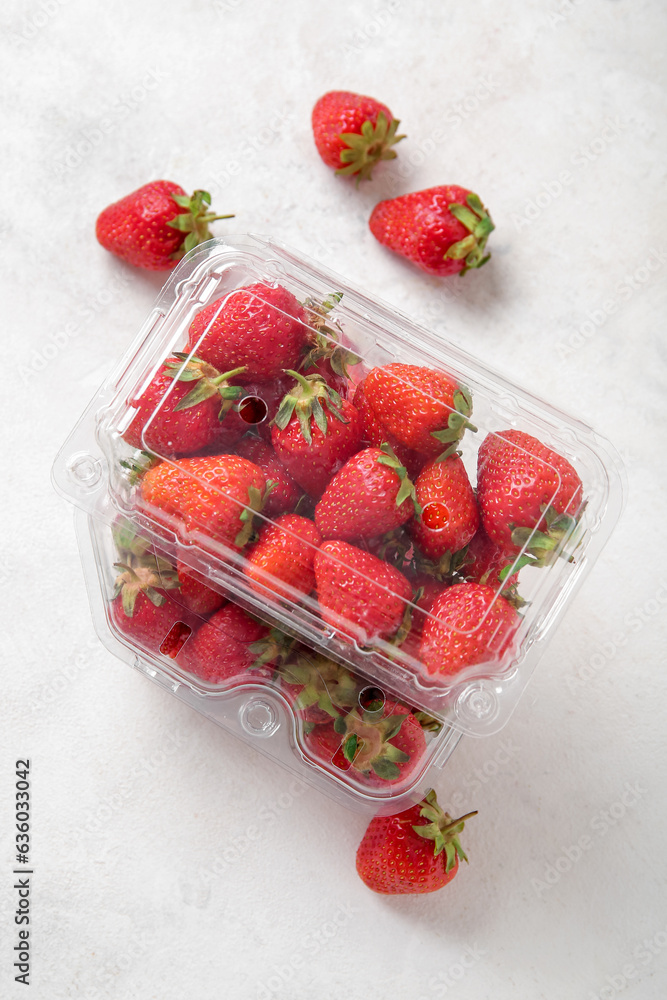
column 311, row 444
column 226, row 648
column 449, row 517
column 422, row 408
column 427, row 589
column 143, row 608
column 173, row 418
column 281, row 560
column 468, row 624
column 259, row 327
column 352, row 133
column 400, row 855
column 327, row 356
column 285, row 493
column 317, row 687
column 358, row 593
column 369, row 496
column 156, row 225
column 214, row 496
column 194, row 592
column 529, row 496
column 484, row 561
column 375, row 435
column 443, row 230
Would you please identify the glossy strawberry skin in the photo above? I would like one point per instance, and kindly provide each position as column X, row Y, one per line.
column 484, row 560
column 151, row 625
column 220, row 651
column 259, row 327
column 159, row 427
column 449, row 512
column 195, row 594
column 516, row 477
column 341, row 111
column 468, row 624
column 420, row 227
column 360, row 500
column 135, row 228
column 411, row 402
column 394, row 860
column 285, row 492
column 375, row 435
column 207, row 494
column 358, row 593
column 312, row 464
column 282, row 558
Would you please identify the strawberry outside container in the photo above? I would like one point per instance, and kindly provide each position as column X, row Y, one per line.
column 363, row 692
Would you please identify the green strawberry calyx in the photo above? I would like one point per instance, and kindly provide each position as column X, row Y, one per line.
column 457, row 423
column 194, row 222
column 141, row 575
column 209, row 382
column 541, row 548
column 407, row 488
column 305, row 400
column 479, row 224
column 323, row 682
column 256, row 503
column 324, row 340
column 366, row 742
column 368, row 147
column 442, row 830
column 275, row 647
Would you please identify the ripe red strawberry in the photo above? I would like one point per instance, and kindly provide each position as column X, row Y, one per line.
column 352, row 133
column 311, row 443
column 358, row 593
column 528, row 495
column 226, row 648
column 328, row 356
column 443, row 230
column 375, row 435
column 423, row 409
column 484, row 562
column 174, row 418
column 427, row 589
column 285, row 493
column 382, row 746
column 156, row 225
column 260, row 327
column 369, row 496
column 449, row 517
column 194, row 592
column 213, row 495
column 144, row 609
column 282, row 558
column 400, row 855
column 468, row 624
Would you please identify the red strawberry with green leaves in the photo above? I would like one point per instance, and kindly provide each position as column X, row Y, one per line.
column 212, row 496
column 352, row 132
column 375, row 435
column 229, row 647
column 327, row 355
column 427, row 589
column 156, row 225
column 529, row 496
column 449, row 516
column 285, row 492
column 443, row 230
column 194, row 592
column 281, row 560
column 315, row 432
column 369, row 496
column 187, row 406
column 424, row 409
column 144, row 609
column 318, row 688
column 382, row 746
column 259, row 327
column 468, row 624
column 414, row 851
column 362, row 596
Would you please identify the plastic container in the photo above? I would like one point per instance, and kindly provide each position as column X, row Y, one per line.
column 370, row 676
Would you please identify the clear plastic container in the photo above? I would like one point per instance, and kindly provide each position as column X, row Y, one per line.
column 375, row 714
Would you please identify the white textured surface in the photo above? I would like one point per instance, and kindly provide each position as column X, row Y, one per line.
column 144, row 885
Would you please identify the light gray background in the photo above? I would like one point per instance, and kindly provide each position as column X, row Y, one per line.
column 145, row 885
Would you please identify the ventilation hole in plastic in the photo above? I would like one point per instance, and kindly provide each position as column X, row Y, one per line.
column 371, row 699
column 253, row 410
column 435, row 515
column 175, row 639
